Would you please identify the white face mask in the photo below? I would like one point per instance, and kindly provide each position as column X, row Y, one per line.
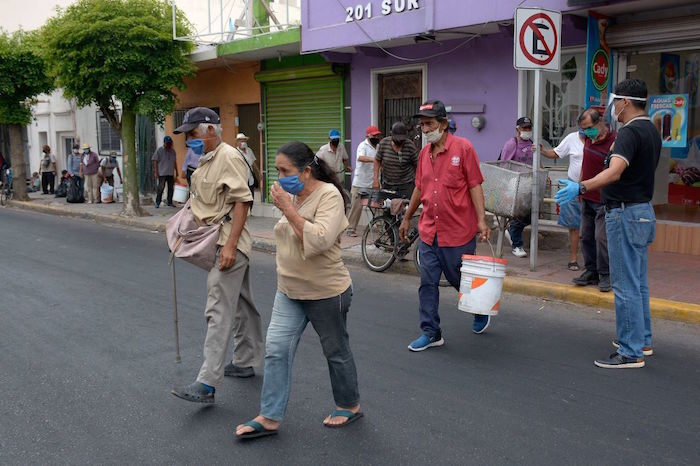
column 433, row 136
column 526, row 135
column 244, row 144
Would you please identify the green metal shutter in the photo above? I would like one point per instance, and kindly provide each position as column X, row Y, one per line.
column 302, row 110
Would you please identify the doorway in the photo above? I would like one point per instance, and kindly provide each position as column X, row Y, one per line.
column 399, row 95
column 248, row 119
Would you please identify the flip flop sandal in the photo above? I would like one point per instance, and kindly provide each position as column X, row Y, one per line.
column 259, row 431
column 573, row 266
column 352, row 417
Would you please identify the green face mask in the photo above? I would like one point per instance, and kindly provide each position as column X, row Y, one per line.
column 591, row 133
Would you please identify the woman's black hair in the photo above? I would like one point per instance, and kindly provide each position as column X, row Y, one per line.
column 302, row 156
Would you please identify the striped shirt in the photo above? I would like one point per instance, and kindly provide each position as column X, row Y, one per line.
column 397, row 168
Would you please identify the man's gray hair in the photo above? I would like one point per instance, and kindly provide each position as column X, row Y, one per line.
column 203, row 127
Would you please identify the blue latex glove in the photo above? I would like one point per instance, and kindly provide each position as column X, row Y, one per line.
column 568, row 193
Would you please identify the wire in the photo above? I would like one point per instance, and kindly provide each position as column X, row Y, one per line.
column 409, row 59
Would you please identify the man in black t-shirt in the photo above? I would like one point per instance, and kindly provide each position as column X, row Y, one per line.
column 627, row 188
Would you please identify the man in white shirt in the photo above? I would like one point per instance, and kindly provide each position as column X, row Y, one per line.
column 364, row 175
column 334, row 155
column 570, row 214
column 249, row 155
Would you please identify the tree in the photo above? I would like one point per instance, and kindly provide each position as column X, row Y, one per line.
column 110, row 51
column 23, row 76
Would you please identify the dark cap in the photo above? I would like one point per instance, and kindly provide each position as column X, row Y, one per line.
column 167, row 139
column 523, row 121
column 432, row 109
column 399, row 132
column 194, row 117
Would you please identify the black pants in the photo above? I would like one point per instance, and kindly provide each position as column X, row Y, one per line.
column 161, row 186
column 48, row 182
column 190, row 170
column 403, row 190
column 594, row 240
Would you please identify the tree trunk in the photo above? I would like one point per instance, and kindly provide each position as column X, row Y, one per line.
column 132, row 205
column 19, row 168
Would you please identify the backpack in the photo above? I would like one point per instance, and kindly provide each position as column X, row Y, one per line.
column 516, row 146
column 75, row 192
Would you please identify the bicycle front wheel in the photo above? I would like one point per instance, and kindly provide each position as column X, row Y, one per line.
column 379, row 242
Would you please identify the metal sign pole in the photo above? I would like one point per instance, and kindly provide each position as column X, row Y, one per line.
column 534, row 226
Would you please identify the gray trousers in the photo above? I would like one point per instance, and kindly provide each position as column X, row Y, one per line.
column 230, row 309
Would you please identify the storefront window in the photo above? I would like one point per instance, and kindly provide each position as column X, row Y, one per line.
column 562, row 96
column 673, row 73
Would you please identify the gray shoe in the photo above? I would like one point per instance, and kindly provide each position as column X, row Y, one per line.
column 604, row 283
column 232, row 370
column 195, row 392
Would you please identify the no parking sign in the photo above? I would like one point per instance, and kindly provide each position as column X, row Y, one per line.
column 537, row 39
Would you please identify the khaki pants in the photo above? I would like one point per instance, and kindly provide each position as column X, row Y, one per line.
column 355, row 208
column 92, row 185
column 230, row 309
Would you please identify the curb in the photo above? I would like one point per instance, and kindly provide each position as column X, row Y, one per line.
column 587, row 296
column 99, row 218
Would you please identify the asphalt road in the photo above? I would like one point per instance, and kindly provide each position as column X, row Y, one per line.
column 87, row 364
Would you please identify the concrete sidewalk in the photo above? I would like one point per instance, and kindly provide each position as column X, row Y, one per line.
column 672, row 277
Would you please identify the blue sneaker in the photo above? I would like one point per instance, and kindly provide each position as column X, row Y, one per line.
column 481, row 323
column 157, row 205
column 424, row 342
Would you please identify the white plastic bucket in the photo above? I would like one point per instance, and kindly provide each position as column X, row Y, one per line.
column 481, row 284
column 107, row 193
column 180, row 193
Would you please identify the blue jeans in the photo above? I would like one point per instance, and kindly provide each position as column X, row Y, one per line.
column 515, row 229
column 289, row 319
column 630, row 231
column 434, row 261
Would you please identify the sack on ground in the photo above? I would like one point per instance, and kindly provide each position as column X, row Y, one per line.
column 75, row 192
column 191, row 241
column 62, row 189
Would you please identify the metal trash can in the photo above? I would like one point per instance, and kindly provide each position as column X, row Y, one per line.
column 508, row 187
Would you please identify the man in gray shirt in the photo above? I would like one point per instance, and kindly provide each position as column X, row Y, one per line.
column 165, row 169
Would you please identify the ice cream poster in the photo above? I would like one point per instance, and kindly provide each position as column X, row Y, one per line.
column 669, row 113
column 670, row 73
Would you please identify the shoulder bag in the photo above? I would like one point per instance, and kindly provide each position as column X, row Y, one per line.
column 191, row 241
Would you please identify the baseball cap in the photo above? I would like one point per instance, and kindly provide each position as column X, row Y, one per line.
column 334, row 134
column 195, row 116
column 432, row 108
column 242, row 136
column 523, row 121
column 372, row 131
column 399, row 132
column 167, row 139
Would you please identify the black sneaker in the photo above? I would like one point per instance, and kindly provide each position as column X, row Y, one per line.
column 604, row 283
column 618, row 361
column 195, row 392
column 646, row 350
column 586, row 278
column 232, row 370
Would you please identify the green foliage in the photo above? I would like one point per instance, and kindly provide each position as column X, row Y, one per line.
column 23, row 76
column 106, row 50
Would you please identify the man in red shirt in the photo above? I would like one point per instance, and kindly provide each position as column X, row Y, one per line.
column 448, row 185
column 594, row 241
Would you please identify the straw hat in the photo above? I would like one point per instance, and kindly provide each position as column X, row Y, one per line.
column 242, row 136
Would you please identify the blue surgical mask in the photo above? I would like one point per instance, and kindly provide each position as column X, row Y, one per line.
column 291, row 184
column 197, row 145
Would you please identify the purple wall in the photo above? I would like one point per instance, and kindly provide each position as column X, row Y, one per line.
column 479, row 73
column 324, row 26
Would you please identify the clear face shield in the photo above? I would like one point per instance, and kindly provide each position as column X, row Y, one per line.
column 610, row 115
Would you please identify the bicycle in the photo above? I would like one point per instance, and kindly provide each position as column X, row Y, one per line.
column 381, row 245
column 6, row 186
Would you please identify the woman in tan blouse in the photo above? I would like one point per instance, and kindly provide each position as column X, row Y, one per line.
column 313, row 285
